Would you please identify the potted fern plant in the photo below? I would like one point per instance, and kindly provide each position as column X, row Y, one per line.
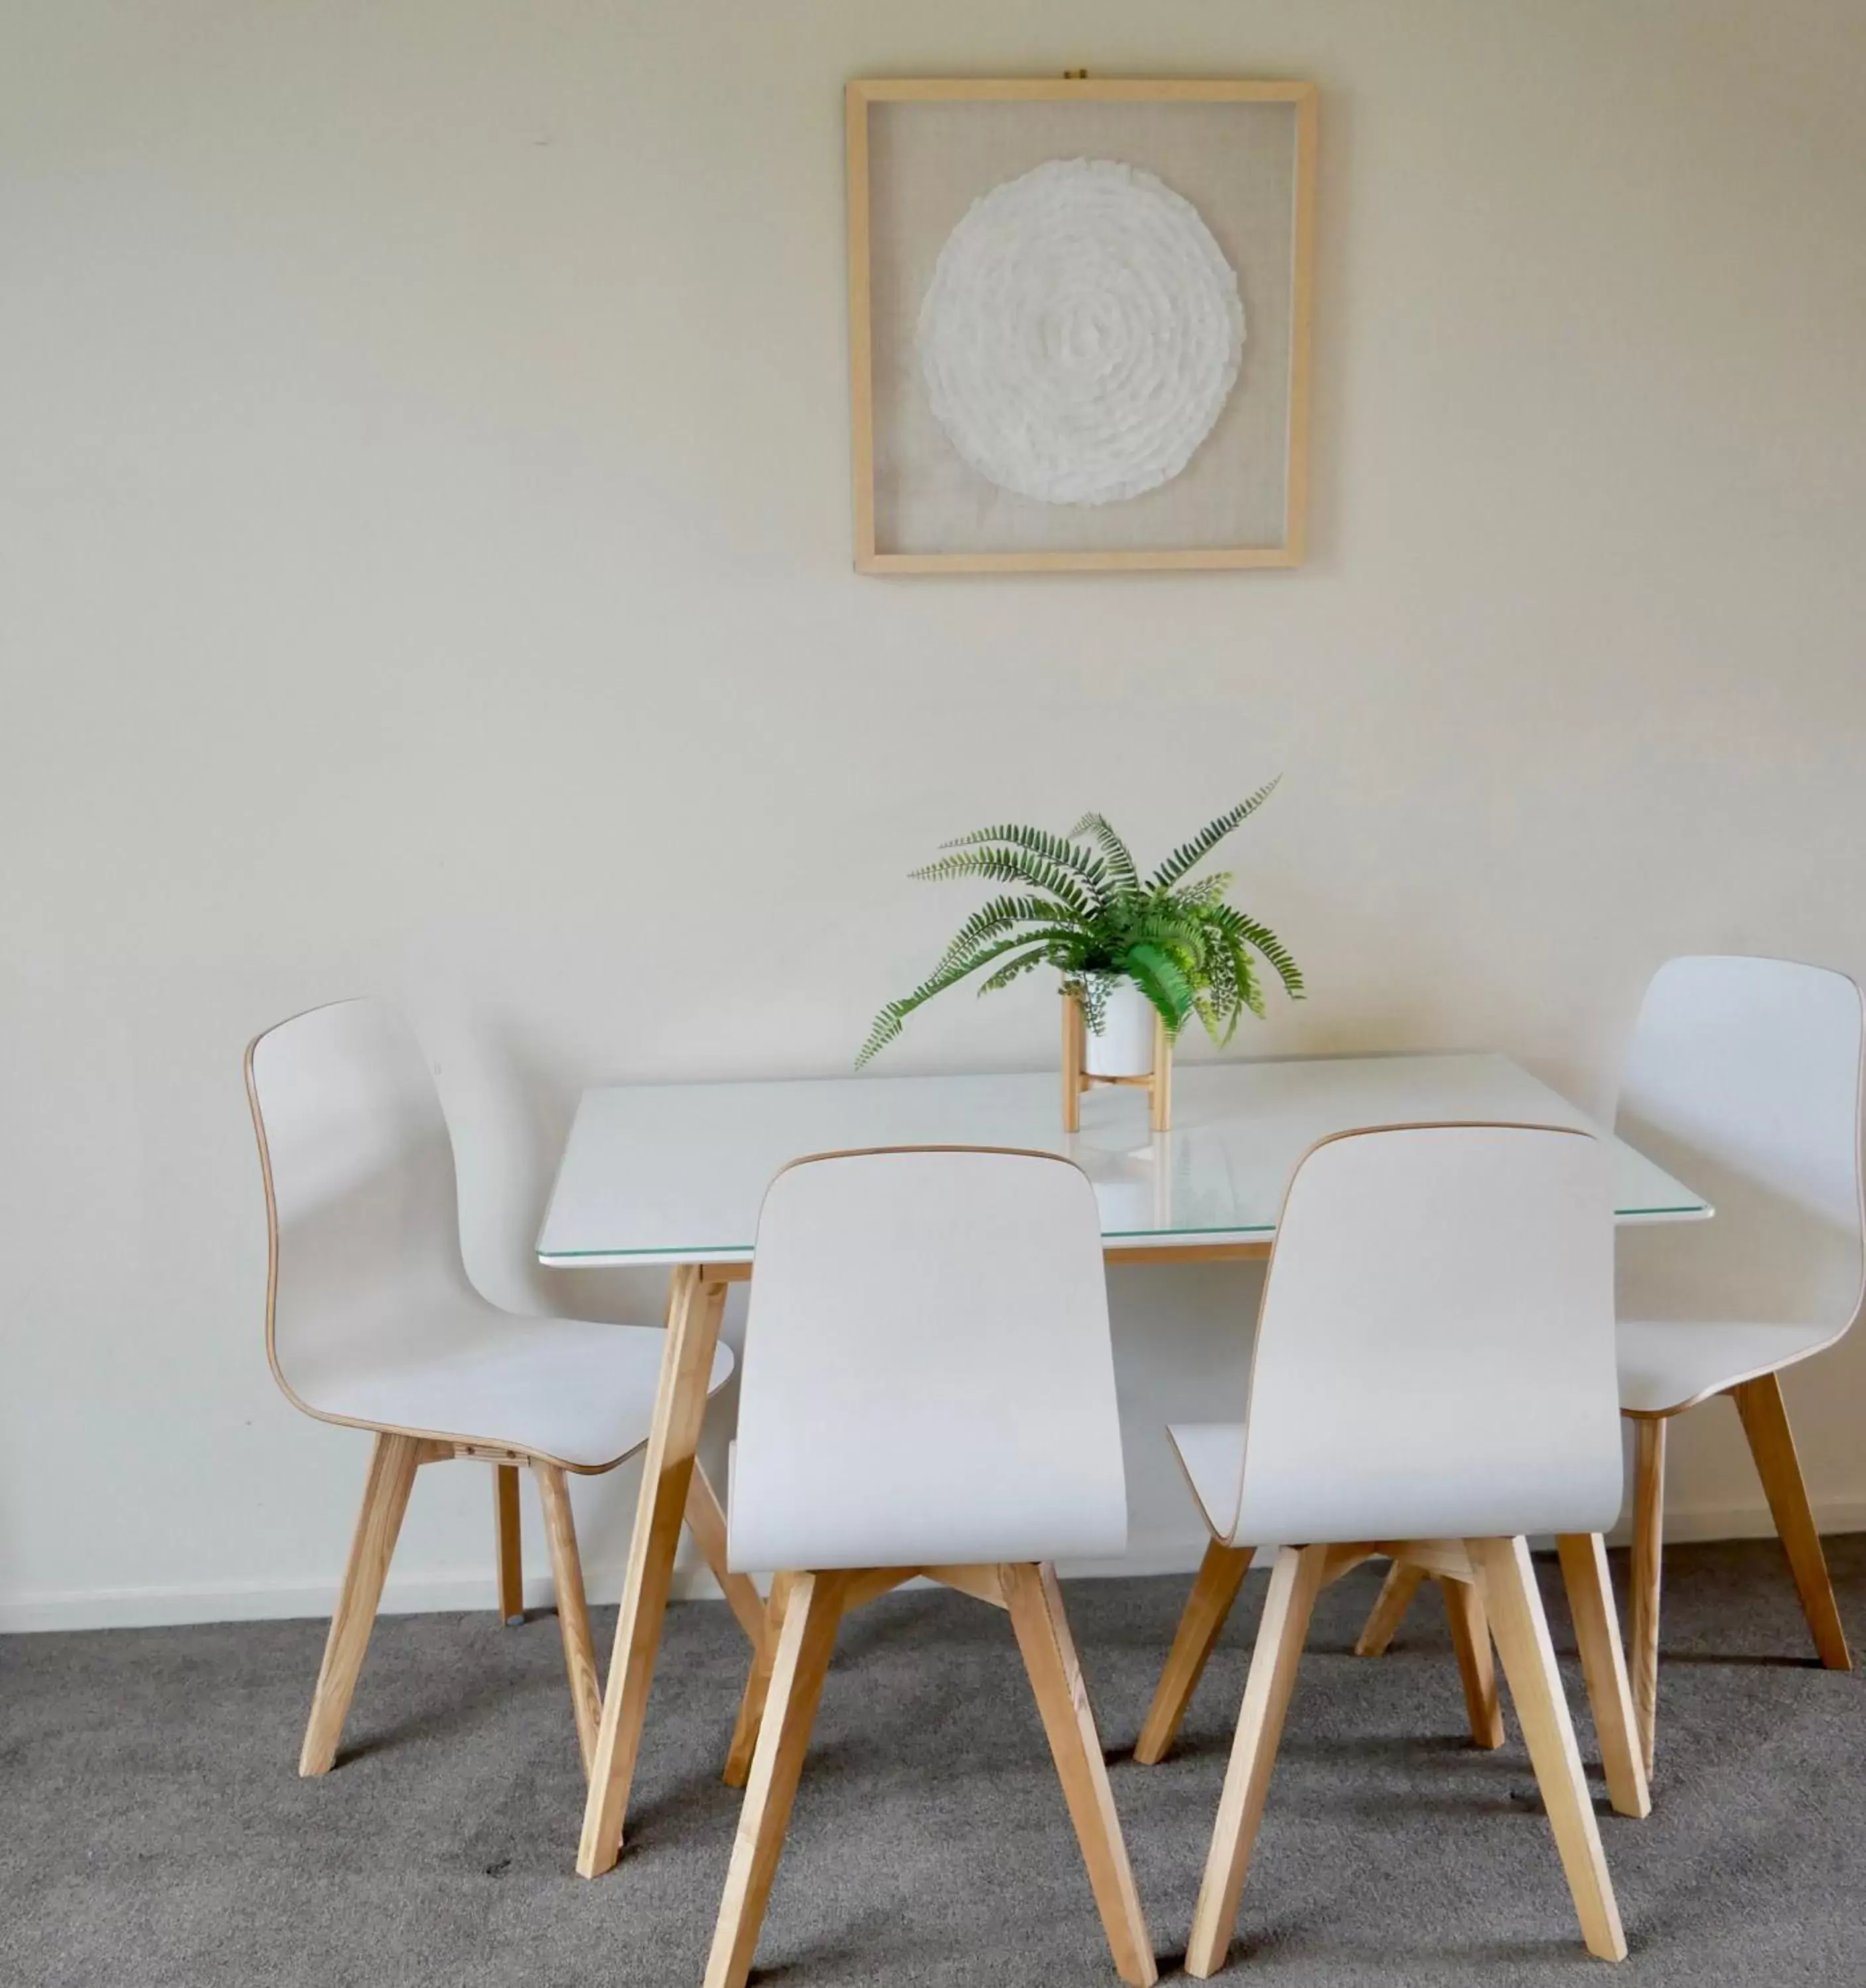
column 1128, row 948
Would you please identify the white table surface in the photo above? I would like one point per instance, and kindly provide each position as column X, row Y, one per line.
column 674, row 1173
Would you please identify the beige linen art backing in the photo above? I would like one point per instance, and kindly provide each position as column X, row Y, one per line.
column 955, row 470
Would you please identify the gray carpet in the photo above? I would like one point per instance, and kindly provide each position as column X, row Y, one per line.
column 152, row 1830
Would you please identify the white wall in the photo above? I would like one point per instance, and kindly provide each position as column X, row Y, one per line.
column 425, row 547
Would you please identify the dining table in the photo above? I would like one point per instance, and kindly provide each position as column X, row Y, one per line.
column 673, row 1174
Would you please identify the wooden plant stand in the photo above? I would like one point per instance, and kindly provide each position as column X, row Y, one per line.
column 1076, row 1079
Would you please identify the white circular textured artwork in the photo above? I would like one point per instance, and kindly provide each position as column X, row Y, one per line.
column 1081, row 334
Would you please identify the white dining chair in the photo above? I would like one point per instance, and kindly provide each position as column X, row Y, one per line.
column 928, row 1386
column 1744, row 1078
column 372, row 1322
column 1465, row 1271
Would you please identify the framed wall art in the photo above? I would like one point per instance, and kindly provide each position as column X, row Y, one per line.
column 1078, row 324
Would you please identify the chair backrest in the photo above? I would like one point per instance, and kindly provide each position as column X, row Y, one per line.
column 927, row 1375
column 1435, row 1354
column 365, row 1228
column 1743, row 1078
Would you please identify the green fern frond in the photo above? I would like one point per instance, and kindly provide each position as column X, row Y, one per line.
column 1207, row 891
column 1160, row 978
column 1012, row 969
column 993, row 920
column 1038, row 842
column 1221, row 989
column 1248, row 932
column 1120, row 863
column 1073, row 952
column 1189, row 855
column 1091, row 989
column 1163, row 925
column 887, row 1022
column 887, row 1025
column 1013, row 866
column 1250, row 990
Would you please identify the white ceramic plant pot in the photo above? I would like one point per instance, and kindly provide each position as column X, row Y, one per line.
column 1123, row 1045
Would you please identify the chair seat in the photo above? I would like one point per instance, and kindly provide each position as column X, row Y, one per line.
column 1666, row 1364
column 1211, row 1454
column 569, row 1391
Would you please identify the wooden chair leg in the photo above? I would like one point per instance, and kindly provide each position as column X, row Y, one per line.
column 510, row 1543
column 1035, row 1604
column 695, row 1304
column 1514, row 1606
column 573, row 1610
column 1396, row 1597
column 1294, row 1581
column 804, row 1645
column 1471, row 1644
column 862, row 1587
column 758, row 1683
column 393, row 1464
column 1772, row 1443
column 1597, row 1631
column 1642, row 1601
column 1221, row 1573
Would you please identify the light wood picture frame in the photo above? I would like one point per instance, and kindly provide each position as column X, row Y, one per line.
column 921, row 151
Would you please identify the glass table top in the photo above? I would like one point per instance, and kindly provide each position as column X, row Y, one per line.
column 673, row 1173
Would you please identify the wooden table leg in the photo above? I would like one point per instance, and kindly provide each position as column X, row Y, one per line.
column 1642, row 1601
column 1221, row 1575
column 1596, row 1633
column 694, row 1305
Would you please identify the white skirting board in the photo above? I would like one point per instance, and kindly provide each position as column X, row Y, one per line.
column 471, row 1590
